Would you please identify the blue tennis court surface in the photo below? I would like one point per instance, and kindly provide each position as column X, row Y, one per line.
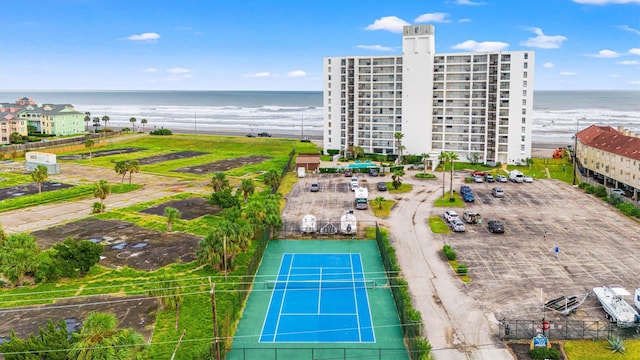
column 319, row 298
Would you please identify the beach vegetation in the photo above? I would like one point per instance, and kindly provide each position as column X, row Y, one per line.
column 397, row 178
column 101, row 191
column 172, row 214
column 39, row 175
column 383, row 207
column 161, row 131
column 15, row 138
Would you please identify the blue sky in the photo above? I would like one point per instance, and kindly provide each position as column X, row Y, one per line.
column 279, row 45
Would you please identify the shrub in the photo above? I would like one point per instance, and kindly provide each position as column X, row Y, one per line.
column 583, row 185
column 333, row 152
column 614, row 200
column 600, row 192
column 425, row 176
column 394, row 168
column 449, row 253
column 589, row 189
column 161, row 131
column 462, row 269
column 544, row 353
column 628, row 209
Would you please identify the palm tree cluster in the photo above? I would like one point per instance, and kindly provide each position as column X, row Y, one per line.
column 444, row 158
column 124, row 167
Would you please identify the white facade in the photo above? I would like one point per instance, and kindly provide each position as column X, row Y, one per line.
column 470, row 103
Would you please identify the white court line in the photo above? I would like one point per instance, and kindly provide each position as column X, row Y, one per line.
column 284, row 294
column 319, row 291
column 355, row 298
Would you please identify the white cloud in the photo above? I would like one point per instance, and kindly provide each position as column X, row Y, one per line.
column 630, row 29
column 548, row 65
column 468, row 2
column 388, row 23
column 151, row 36
column 465, row 20
column 605, row 2
column 375, row 47
column 150, row 70
column 296, row 73
column 634, row 51
column 178, row 70
column 543, row 41
column 262, row 74
column 484, row 46
column 605, row 54
column 634, row 82
column 628, row 62
column 567, row 73
column 433, row 17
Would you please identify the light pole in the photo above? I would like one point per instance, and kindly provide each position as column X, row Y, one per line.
column 575, row 151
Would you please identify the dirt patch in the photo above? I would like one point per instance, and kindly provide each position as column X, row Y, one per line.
column 171, row 156
column 132, row 312
column 125, row 244
column 29, row 189
column 223, row 165
column 100, row 153
column 521, row 350
column 190, row 208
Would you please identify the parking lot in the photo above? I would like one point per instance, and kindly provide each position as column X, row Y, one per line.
column 330, row 202
column 515, row 272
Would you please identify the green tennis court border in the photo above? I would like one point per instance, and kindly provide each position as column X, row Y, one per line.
column 389, row 338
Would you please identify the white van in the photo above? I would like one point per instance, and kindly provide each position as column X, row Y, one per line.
column 301, row 172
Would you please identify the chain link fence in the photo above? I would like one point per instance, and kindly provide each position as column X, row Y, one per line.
column 564, row 330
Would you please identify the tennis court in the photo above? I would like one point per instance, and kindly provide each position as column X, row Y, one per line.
column 320, row 299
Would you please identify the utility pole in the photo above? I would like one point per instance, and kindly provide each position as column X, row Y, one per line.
column 575, row 151
column 215, row 320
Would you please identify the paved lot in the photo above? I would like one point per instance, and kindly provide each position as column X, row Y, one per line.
column 513, row 271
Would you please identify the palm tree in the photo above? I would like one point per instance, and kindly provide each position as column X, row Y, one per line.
column 39, row 175
column 247, row 188
column 102, row 189
column 89, row 144
column 425, row 160
column 263, row 213
column 379, row 201
column 96, row 123
column 443, row 158
column 398, row 136
column 272, row 179
column 452, row 157
column 172, row 214
column 133, row 124
column 87, row 119
column 143, row 122
column 167, row 293
column 121, row 169
column 227, row 238
column 397, row 178
column 105, row 119
column 358, row 151
column 100, row 338
column 133, row 166
column 219, row 182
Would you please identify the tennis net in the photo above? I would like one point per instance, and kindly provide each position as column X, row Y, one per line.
column 320, row 285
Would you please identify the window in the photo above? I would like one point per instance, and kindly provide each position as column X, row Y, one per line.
column 524, row 102
column 524, row 129
column 524, row 92
column 526, row 56
column 524, row 111
column 329, row 61
column 524, row 83
column 524, row 75
column 522, row 147
column 329, row 77
column 526, row 65
column 522, row 138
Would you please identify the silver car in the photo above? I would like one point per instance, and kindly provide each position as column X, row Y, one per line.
column 457, row 225
column 497, row 192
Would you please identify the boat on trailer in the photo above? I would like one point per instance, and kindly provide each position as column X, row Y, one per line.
column 566, row 305
column 636, row 298
column 617, row 309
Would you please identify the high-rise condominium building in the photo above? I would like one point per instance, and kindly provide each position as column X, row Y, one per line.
column 478, row 105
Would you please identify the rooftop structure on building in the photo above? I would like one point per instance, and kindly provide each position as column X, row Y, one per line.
column 474, row 104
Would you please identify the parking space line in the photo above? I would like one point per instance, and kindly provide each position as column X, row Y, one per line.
column 485, row 264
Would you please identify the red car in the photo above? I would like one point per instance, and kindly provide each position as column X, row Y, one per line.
column 478, row 173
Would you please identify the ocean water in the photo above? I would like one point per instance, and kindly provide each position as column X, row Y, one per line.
column 556, row 114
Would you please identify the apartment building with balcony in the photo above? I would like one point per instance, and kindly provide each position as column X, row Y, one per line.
column 55, row 119
column 469, row 103
column 611, row 156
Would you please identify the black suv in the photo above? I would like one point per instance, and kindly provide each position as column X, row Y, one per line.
column 264, row 134
column 496, row 226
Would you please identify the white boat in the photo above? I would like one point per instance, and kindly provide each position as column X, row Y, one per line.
column 617, row 309
column 636, row 298
column 308, row 225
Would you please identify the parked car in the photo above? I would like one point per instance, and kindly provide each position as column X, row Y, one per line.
column 478, row 173
column 501, row 178
column 619, row 192
column 527, row 179
column 450, row 215
column 348, row 173
column 250, row 135
column 471, row 217
column 457, row 225
column 373, row 172
column 468, row 197
column 465, row 189
column 489, row 178
column 264, row 134
column 495, row 226
column 314, row 187
column 478, row 179
column 497, row 192
column 382, row 186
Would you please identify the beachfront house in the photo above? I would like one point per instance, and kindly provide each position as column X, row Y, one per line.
column 474, row 104
column 54, row 119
